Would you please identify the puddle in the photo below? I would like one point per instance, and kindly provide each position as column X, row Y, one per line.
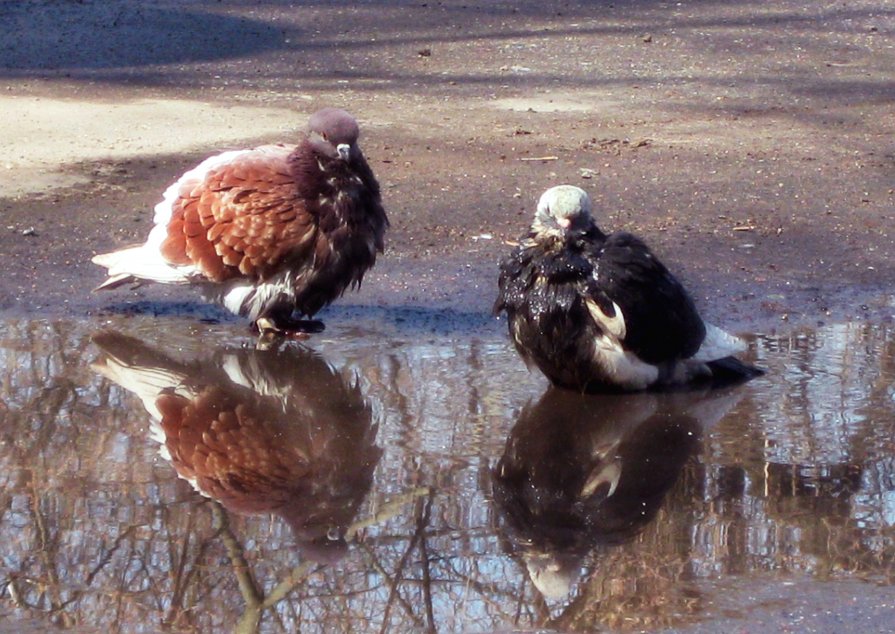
column 405, row 472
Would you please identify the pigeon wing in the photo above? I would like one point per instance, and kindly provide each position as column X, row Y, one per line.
column 660, row 321
column 240, row 217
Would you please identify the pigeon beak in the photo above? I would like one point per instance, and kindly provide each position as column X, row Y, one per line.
column 344, row 151
column 563, row 222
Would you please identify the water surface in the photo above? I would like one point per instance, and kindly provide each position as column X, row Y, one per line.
column 403, row 471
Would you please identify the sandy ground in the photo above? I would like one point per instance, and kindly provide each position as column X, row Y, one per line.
column 750, row 142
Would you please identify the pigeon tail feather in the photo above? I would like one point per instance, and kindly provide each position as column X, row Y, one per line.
column 138, row 263
column 718, row 344
column 147, row 383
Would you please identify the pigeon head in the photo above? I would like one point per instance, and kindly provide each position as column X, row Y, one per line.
column 562, row 210
column 552, row 574
column 333, row 133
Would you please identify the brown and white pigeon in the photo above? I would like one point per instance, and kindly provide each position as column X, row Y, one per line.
column 594, row 311
column 275, row 431
column 271, row 233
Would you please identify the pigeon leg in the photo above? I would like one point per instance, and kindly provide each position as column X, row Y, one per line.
column 282, row 324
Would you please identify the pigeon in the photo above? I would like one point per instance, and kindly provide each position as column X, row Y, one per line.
column 585, row 470
column 598, row 312
column 270, row 232
column 261, row 431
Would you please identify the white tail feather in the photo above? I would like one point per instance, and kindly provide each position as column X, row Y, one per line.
column 717, row 345
column 146, row 382
column 142, row 262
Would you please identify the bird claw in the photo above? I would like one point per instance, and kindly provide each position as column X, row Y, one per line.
column 270, row 336
column 288, row 328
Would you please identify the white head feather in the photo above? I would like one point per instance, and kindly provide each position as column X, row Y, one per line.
column 560, row 208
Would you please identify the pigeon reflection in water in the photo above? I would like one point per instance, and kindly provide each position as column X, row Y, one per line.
column 273, row 431
column 585, row 470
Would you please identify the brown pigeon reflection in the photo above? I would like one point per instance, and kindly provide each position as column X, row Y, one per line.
column 261, row 431
column 580, row 471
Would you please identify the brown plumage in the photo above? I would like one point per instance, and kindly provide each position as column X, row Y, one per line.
column 267, row 232
column 274, row 431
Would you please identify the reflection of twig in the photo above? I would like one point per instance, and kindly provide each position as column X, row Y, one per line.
column 380, row 569
column 422, row 521
column 386, row 511
column 247, row 588
column 107, row 557
column 17, row 599
column 47, row 551
column 256, row 602
column 424, row 556
column 183, row 577
column 299, row 573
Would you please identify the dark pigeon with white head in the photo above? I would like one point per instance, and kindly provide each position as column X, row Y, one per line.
column 595, row 311
column 273, row 233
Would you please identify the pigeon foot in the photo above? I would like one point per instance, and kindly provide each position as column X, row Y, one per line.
column 288, row 327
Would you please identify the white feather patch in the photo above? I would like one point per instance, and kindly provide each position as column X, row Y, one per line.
column 234, row 298
column 620, row 367
column 614, row 325
column 251, row 300
column 615, row 364
column 144, row 262
column 609, row 473
column 718, row 344
column 146, row 382
column 549, row 576
column 165, row 209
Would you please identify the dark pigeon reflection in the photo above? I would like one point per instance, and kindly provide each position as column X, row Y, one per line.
column 580, row 471
column 261, row 431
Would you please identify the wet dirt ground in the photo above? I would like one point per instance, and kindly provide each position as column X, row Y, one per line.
column 750, row 142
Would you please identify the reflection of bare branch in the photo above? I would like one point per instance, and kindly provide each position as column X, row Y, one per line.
column 247, row 586
column 380, row 569
column 298, row 574
column 422, row 514
column 48, row 551
column 422, row 524
column 256, row 603
column 107, row 557
column 386, row 512
column 184, row 575
column 17, row 599
column 486, row 590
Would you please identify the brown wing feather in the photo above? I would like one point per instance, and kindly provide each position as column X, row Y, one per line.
column 229, row 450
column 242, row 220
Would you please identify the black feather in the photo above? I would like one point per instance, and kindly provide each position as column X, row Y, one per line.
column 545, row 283
column 662, row 322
